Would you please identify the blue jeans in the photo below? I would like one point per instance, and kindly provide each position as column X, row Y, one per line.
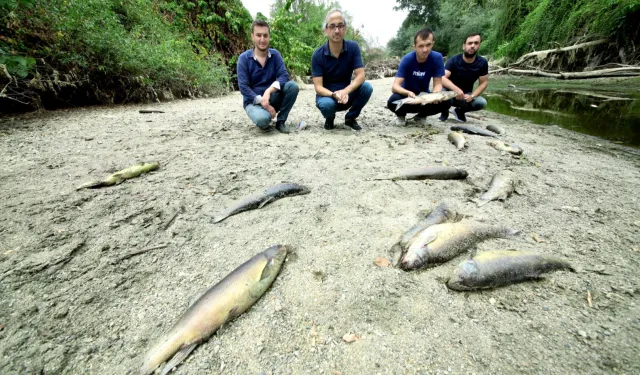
column 464, row 107
column 421, row 110
column 281, row 100
column 357, row 100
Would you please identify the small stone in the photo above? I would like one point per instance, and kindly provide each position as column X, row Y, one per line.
column 582, row 333
column 492, row 301
column 545, row 308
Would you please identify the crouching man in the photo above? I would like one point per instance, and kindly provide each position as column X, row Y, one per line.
column 264, row 81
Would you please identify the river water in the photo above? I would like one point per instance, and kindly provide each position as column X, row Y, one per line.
column 610, row 115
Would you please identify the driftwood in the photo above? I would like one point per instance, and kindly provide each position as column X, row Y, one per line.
column 615, row 72
column 543, row 54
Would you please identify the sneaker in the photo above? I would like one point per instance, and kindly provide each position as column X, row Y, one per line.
column 444, row 116
column 328, row 124
column 422, row 121
column 282, row 128
column 459, row 115
column 401, row 121
column 353, row 124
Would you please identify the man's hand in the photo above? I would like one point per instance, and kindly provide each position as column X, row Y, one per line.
column 271, row 110
column 411, row 94
column 460, row 95
column 468, row 98
column 265, row 100
column 341, row 96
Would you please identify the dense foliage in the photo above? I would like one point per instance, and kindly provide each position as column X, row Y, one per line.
column 513, row 28
column 96, row 51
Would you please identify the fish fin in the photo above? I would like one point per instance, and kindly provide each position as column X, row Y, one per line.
column 473, row 252
column 232, row 314
column 178, row 357
column 398, row 185
column 265, row 202
column 481, row 202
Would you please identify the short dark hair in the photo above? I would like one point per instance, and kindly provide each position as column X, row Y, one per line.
column 260, row 23
column 423, row 34
column 472, row 34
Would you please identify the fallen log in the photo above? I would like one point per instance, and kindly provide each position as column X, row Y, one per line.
column 543, row 54
column 602, row 73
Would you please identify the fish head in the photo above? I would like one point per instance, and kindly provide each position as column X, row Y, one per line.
column 275, row 256
column 465, row 271
column 411, row 260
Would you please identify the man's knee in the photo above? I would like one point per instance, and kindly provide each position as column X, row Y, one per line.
column 291, row 87
column 325, row 104
column 262, row 120
column 366, row 89
column 479, row 103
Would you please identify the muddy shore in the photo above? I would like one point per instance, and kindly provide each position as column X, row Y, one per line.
column 74, row 300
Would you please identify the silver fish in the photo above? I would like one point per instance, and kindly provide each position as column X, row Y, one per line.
column 501, row 146
column 473, row 130
column 258, row 200
column 493, row 269
column 458, row 140
column 502, row 185
column 442, row 213
column 220, row 304
column 442, row 242
column 430, row 173
column 496, row 129
column 426, row 98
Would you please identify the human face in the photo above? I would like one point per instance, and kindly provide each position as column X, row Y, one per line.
column 336, row 27
column 260, row 37
column 471, row 45
column 423, row 47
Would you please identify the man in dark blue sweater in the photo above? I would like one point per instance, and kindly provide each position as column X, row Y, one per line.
column 264, row 81
column 461, row 72
column 332, row 66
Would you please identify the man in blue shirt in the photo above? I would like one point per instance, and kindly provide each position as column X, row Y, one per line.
column 461, row 72
column 416, row 70
column 331, row 67
column 264, row 81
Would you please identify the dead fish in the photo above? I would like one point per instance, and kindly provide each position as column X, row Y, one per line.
column 120, row 176
column 430, row 173
column 496, row 129
column 458, row 140
column 221, row 303
column 442, row 213
column 150, row 111
column 502, row 185
column 473, row 130
column 258, row 200
column 493, row 269
column 442, row 242
column 426, row 98
column 501, row 146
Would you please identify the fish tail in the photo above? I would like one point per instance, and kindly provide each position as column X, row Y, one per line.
column 399, row 103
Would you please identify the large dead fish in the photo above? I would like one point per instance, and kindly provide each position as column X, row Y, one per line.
column 493, row 269
column 120, row 176
column 221, row 303
column 503, row 184
column 258, row 200
column 442, row 213
column 426, row 98
column 429, row 173
column 473, row 130
column 442, row 242
column 458, row 140
column 501, row 146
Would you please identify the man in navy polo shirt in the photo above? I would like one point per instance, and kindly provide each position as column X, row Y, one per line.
column 416, row 70
column 331, row 67
column 264, row 81
column 461, row 72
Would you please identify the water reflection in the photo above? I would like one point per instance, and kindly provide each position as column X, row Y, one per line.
column 604, row 114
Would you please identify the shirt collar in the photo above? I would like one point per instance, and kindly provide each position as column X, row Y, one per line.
column 255, row 58
column 327, row 51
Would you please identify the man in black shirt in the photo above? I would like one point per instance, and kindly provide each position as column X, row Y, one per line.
column 461, row 72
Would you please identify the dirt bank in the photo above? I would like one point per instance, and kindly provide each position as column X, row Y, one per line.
column 71, row 304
